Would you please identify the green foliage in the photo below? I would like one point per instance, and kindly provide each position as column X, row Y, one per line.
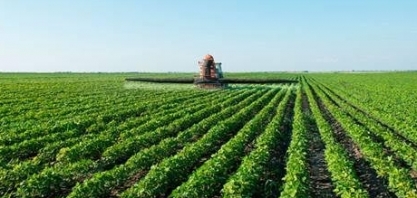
column 95, row 135
column 399, row 181
column 297, row 175
column 253, row 166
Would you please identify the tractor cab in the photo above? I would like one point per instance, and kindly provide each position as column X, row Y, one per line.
column 218, row 68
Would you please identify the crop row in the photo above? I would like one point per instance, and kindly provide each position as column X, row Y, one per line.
column 174, row 170
column 208, row 179
column 112, row 136
column 100, row 184
column 403, row 148
column 296, row 179
column 388, row 103
column 31, row 146
column 399, row 181
column 253, row 167
column 341, row 168
column 79, row 120
column 48, row 153
column 38, row 166
column 64, row 174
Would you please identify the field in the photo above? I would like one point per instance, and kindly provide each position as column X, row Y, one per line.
column 95, row 135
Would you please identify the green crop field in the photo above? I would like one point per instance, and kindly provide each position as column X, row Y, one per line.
column 95, row 135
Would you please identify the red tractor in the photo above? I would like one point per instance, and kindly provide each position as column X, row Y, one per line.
column 210, row 73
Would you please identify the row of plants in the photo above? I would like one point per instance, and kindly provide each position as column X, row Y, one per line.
column 399, row 180
column 113, row 135
column 209, row 178
column 40, row 108
column 387, row 113
column 126, row 148
column 75, row 119
column 63, row 174
column 296, row 179
column 30, row 147
column 341, row 168
column 11, row 178
column 387, row 97
column 16, row 171
column 404, row 149
column 247, row 177
column 102, row 183
column 172, row 171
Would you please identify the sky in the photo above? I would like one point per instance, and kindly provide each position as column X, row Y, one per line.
column 172, row 36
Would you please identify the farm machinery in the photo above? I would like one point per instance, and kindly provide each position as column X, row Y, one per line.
column 210, row 77
column 211, row 74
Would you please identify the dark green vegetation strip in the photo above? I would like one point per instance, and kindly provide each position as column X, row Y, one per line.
column 224, row 80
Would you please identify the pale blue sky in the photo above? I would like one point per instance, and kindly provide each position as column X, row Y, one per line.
column 166, row 35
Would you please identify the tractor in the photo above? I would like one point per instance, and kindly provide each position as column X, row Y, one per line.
column 211, row 74
column 211, row 77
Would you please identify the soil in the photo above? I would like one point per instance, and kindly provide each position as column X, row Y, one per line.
column 130, row 182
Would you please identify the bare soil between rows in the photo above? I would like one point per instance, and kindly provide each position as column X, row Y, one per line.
column 272, row 179
column 320, row 178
